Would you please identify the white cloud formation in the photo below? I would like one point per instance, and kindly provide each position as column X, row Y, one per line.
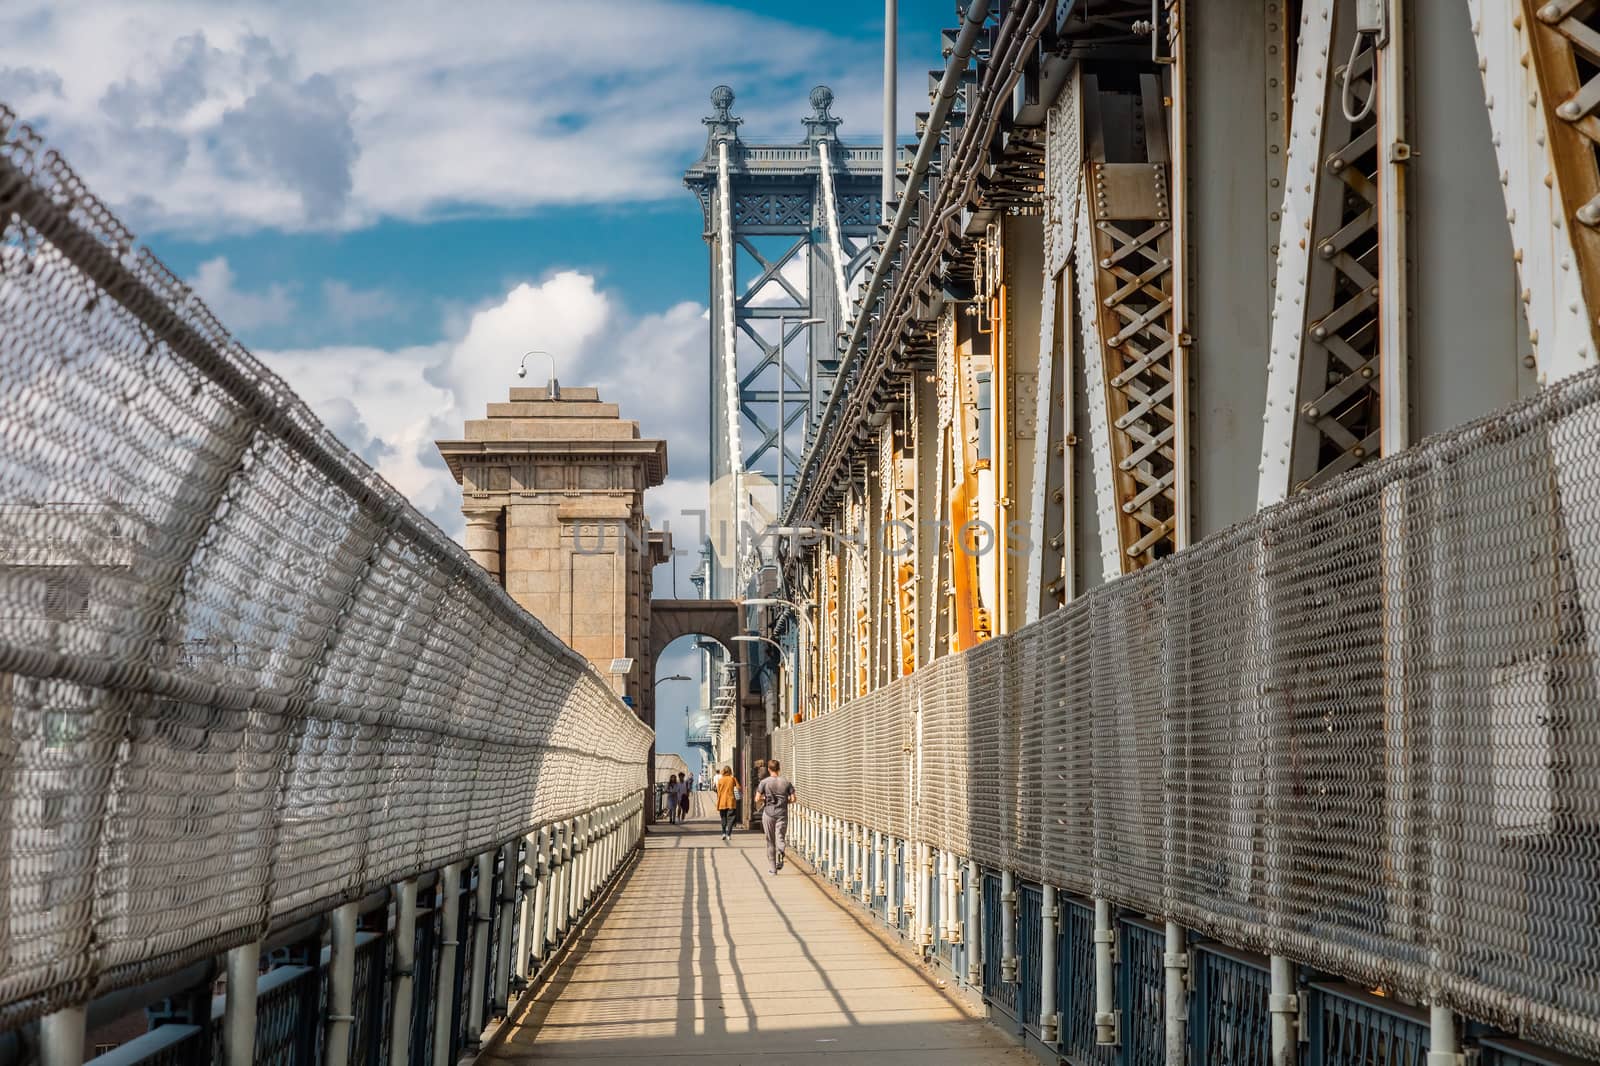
column 202, row 116
column 347, row 304
column 390, row 405
column 241, row 310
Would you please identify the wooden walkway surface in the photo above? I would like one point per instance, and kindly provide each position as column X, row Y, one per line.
column 700, row 955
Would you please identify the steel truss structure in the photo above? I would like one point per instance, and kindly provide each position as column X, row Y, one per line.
column 1168, row 272
column 786, row 246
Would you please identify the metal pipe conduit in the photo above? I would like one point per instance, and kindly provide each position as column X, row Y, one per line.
column 482, row 918
column 1008, row 927
column 570, row 850
column 894, row 902
column 1283, row 1003
column 944, row 99
column 511, row 870
column 554, row 906
column 239, row 1006
column 449, row 934
column 341, row 986
column 1000, row 75
column 975, row 926
column 404, row 981
column 1176, row 962
column 947, row 902
column 61, row 1037
column 1047, row 966
column 1107, row 1019
column 533, row 874
column 1444, row 1045
column 869, row 865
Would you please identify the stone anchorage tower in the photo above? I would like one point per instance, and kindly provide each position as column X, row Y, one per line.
column 552, row 485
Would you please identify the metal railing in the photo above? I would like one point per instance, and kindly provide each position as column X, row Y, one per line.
column 1356, row 732
column 243, row 683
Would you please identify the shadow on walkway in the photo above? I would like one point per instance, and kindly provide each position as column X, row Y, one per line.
column 700, row 953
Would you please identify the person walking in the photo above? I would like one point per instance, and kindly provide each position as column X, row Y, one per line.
column 774, row 793
column 758, row 775
column 728, row 797
column 672, row 800
column 684, row 788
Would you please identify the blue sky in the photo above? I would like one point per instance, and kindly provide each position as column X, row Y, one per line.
column 390, row 200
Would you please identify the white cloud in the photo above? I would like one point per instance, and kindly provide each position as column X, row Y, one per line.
column 201, row 116
column 241, row 310
column 390, row 405
column 350, row 305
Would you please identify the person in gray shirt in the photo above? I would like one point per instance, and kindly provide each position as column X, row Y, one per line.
column 774, row 793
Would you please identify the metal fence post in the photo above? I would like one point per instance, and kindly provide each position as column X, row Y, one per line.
column 974, row 938
column 952, row 892
column 482, row 918
column 1176, row 961
column 1107, row 1018
column 1047, row 966
column 340, row 1008
column 533, row 905
column 569, row 862
column 1284, row 1005
column 866, row 866
column 445, row 986
column 557, row 906
column 405, row 971
column 591, row 850
column 893, row 903
column 510, row 876
column 1008, row 927
column 1444, row 1045
column 239, row 1008
column 575, row 889
column 61, row 1037
column 580, row 867
column 580, row 863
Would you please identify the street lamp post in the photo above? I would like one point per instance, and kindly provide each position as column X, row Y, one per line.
column 783, row 661
column 806, row 633
column 859, row 552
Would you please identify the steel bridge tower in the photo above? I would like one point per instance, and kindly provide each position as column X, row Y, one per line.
column 788, row 227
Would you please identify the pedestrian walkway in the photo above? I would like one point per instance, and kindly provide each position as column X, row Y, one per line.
column 701, row 955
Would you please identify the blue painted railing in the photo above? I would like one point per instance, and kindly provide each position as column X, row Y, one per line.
column 1141, row 992
column 1348, row 1027
column 1030, row 954
column 1229, row 1023
column 1075, row 984
column 998, row 992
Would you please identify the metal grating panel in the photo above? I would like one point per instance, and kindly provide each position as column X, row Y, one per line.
column 1229, row 1023
column 1356, row 730
column 1075, row 986
column 1351, row 1028
column 1141, row 988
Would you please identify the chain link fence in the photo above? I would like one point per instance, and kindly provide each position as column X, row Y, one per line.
column 1361, row 730
column 242, row 680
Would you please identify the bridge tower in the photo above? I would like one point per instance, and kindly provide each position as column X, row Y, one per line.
column 789, row 227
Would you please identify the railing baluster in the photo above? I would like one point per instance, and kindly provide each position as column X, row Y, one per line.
column 445, row 992
column 404, row 977
column 340, row 1011
column 483, row 916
